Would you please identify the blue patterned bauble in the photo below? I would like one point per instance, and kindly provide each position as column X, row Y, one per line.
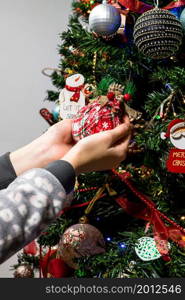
column 176, row 11
column 182, row 18
column 104, row 20
column 56, row 112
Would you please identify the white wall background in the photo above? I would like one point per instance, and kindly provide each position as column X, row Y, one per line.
column 29, row 35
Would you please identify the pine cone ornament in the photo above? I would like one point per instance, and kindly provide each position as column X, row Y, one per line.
column 102, row 114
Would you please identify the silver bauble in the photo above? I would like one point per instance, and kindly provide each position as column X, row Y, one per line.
column 104, row 19
column 158, row 33
column 182, row 18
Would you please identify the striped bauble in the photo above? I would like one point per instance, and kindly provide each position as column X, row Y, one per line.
column 158, row 33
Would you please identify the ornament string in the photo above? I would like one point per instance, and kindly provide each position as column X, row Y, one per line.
column 156, row 3
column 44, row 71
column 160, row 110
column 97, row 196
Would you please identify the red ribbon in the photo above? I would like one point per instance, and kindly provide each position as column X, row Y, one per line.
column 148, row 212
column 44, row 261
column 135, row 5
column 55, row 267
column 76, row 90
column 140, row 7
column 175, row 4
column 75, row 206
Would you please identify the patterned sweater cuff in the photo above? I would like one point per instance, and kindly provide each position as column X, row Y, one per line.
column 7, row 171
column 64, row 172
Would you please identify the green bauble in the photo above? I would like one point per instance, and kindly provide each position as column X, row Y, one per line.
column 182, row 18
column 158, row 33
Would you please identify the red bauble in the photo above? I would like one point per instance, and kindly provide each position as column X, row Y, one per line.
column 54, row 267
column 166, row 258
column 59, row 269
column 127, row 97
column 102, row 114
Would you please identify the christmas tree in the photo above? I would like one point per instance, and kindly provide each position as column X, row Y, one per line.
column 133, row 216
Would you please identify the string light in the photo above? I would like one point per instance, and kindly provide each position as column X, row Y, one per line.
column 122, row 245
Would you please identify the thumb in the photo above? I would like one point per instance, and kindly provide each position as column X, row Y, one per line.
column 120, row 132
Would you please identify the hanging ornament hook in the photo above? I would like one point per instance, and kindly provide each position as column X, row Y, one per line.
column 97, row 196
column 156, row 3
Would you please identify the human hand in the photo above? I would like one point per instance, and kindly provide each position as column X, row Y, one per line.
column 101, row 151
column 50, row 146
column 59, row 139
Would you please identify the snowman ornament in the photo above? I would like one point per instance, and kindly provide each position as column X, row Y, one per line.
column 176, row 133
column 72, row 98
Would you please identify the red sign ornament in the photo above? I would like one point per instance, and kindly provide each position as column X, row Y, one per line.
column 176, row 161
column 176, row 133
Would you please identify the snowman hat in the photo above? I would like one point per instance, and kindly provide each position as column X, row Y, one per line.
column 172, row 126
column 75, row 80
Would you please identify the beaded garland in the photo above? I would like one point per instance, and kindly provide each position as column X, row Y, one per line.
column 158, row 33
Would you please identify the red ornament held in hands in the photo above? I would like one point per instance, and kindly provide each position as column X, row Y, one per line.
column 104, row 113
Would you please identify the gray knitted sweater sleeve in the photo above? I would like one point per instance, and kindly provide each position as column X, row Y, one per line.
column 27, row 206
